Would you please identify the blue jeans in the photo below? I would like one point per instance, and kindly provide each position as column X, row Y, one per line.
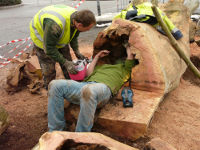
column 88, row 95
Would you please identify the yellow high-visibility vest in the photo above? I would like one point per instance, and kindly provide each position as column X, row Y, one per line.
column 61, row 15
column 143, row 13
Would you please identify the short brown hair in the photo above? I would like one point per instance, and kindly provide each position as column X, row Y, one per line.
column 86, row 17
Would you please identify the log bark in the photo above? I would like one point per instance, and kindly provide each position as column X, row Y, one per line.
column 159, row 71
column 175, row 44
column 55, row 140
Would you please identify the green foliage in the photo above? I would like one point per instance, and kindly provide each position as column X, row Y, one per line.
column 9, row 2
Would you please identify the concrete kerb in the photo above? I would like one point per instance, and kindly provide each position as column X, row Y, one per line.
column 105, row 18
column 12, row 6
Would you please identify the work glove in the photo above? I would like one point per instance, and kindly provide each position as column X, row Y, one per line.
column 79, row 55
column 69, row 65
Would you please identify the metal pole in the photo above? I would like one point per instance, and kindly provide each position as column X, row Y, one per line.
column 117, row 5
column 98, row 8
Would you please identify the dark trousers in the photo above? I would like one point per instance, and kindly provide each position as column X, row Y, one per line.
column 47, row 64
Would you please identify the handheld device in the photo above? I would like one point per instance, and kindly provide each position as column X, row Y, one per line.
column 127, row 97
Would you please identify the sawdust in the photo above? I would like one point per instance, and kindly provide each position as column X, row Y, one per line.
column 28, row 112
column 176, row 121
column 195, row 56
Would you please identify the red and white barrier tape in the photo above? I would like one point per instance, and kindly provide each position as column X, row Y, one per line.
column 29, row 45
column 5, row 59
column 77, row 5
column 8, row 60
column 25, row 40
column 14, row 41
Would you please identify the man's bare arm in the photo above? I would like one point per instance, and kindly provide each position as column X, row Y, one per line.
column 130, row 56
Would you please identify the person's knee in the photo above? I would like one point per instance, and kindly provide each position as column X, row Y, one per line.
column 52, row 85
column 87, row 93
column 90, row 94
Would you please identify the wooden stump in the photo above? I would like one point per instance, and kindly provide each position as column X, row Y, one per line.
column 4, row 120
column 58, row 139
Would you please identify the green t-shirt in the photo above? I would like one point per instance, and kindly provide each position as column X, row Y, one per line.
column 114, row 76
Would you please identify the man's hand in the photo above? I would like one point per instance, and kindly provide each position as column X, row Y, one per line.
column 79, row 55
column 69, row 65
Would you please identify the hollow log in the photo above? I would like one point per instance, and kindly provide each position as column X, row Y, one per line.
column 160, row 67
column 59, row 140
column 159, row 71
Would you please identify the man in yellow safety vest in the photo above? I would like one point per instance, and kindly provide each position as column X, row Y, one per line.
column 52, row 29
column 144, row 14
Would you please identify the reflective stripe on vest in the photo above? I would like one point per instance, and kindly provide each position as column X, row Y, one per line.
column 35, row 30
column 62, row 19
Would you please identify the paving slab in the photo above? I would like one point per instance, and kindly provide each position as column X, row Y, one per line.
column 130, row 123
column 127, row 123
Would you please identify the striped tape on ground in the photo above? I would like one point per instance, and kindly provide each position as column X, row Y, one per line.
column 77, row 5
column 14, row 41
column 8, row 60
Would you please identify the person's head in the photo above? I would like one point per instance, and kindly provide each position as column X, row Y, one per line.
column 84, row 20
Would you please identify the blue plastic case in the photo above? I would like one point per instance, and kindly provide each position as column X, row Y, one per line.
column 127, row 97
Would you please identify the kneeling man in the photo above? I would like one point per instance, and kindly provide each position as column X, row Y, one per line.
column 101, row 83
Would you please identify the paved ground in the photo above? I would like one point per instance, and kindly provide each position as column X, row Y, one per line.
column 15, row 21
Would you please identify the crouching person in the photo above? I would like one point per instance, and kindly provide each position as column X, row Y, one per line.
column 101, row 83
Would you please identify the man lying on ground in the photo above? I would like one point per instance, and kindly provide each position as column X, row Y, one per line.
column 101, row 83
